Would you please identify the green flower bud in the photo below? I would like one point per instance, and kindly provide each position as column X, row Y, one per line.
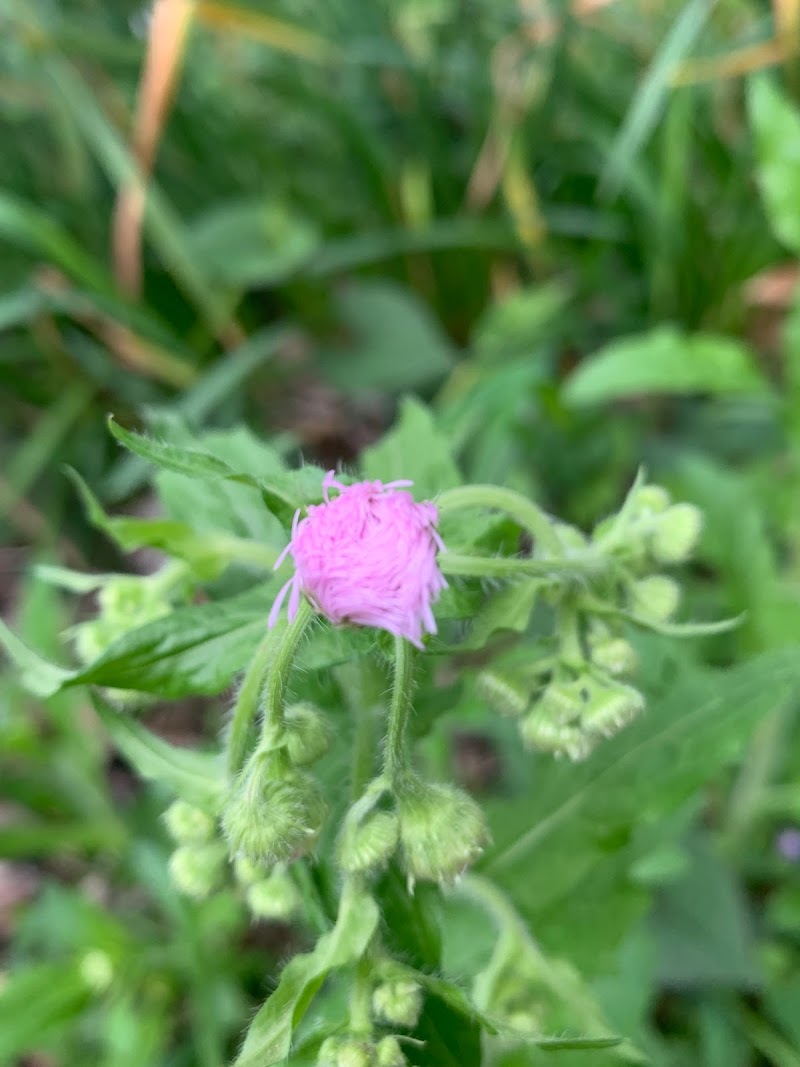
column 442, row 831
column 368, row 845
column 97, row 970
column 273, row 814
column 652, row 499
column 502, row 694
column 540, row 732
column 307, row 734
column 677, row 533
column 611, row 707
column 388, row 1053
column 187, row 824
column 616, row 655
column 197, row 870
column 562, row 702
column 398, row 1003
column 275, row 898
column 247, row 872
column 353, row 1053
column 655, row 598
column 328, row 1051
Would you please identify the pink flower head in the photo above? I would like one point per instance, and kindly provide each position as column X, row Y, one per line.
column 367, row 556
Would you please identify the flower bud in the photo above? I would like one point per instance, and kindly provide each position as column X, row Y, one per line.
column 247, row 872
column 502, row 694
column 275, row 898
column 328, row 1050
column 611, row 707
column 540, row 732
column 677, row 533
column 398, row 1003
column 615, row 655
column 655, row 598
column 388, row 1053
column 97, row 970
column 197, row 870
column 273, row 814
column 353, row 1053
column 368, row 845
column 651, row 499
column 442, row 831
column 187, row 824
column 307, row 734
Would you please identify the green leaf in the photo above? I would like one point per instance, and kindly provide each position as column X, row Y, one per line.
column 207, row 554
column 451, row 1038
column 507, row 609
column 702, row 929
column 189, row 461
column 393, row 342
column 579, row 822
column 195, row 776
column 413, row 449
column 37, row 1003
column 776, row 128
column 664, row 361
column 252, row 243
column 194, row 650
column 269, row 1038
column 515, row 327
column 37, row 674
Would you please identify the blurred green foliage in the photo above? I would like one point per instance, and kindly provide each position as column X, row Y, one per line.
column 538, row 219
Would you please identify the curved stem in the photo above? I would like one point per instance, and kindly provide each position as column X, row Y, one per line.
column 527, row 514
column 395, row 759
column 269, row 652
column 498, row 567
column 275, row 688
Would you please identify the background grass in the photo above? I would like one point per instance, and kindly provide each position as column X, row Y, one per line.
column 571, row 228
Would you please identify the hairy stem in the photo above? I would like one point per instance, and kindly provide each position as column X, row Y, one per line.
column 395, row 760
column 497, row 567
column 278, row 676
column 526, row 513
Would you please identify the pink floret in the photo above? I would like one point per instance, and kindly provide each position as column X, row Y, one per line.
column 368, row 557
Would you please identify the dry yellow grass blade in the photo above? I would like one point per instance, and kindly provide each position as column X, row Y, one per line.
column 282, row 36
column 735, row 64
column 166, row 40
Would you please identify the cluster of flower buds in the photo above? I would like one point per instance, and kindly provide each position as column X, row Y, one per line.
column 275, row 809
column 582, row 696
column 436, row 828
column 350, row 1050
column 198, row 865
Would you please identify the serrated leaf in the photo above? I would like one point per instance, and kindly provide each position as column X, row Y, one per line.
column 269, row 1038
column 507, row 609
column 194, row 776
column 776, row 126
column 415, row 449
column 190, row 461
column 193, row 650
column 664, row 361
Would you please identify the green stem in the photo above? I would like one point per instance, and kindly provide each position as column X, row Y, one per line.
column 526, row 513
column 271, row 652
column 498, row 567
column 278, row 677
column 395, row 760
column 361, row 998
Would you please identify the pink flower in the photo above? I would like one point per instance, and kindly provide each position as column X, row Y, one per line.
column 367, row 556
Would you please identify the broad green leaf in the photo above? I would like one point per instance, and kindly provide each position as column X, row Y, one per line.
column 451, row 1038
column 702, row 929
column 776, row 127
column 252, row 243
column 36, row 1003
column 507, row 609
column 208, row 554
column 413, row 449
column 190, row 461
column 578, row 821
column 194, row 650
column 515, row 327
column 269, row 1038
column 664, row 361
column 393, row 341
column 194, row 776
column 37, row 674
